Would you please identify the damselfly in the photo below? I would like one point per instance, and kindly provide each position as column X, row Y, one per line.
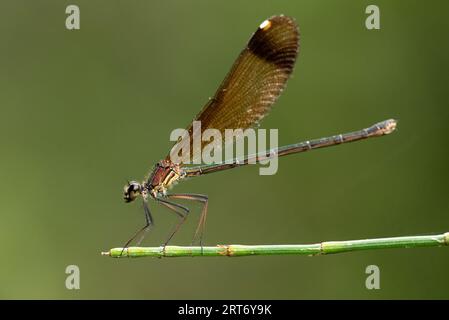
column 253, row 84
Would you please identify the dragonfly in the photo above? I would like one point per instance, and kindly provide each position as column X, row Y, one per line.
column 246, row 95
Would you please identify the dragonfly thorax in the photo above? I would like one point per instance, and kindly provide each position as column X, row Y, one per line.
column 165, row 175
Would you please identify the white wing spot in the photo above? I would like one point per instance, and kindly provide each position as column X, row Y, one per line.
column 265, row 25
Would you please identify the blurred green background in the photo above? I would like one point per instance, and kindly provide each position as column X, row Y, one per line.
column 82, row 111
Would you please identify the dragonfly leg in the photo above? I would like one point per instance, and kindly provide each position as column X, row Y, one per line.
column 180, row 210
column 148, row 224
column 203, row 199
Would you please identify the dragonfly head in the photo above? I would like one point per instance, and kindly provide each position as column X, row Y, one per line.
column 131, row 191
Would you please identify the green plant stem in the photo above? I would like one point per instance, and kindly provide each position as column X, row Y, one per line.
column 328, row 247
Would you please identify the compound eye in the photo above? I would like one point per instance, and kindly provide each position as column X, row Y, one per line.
column 131, row 191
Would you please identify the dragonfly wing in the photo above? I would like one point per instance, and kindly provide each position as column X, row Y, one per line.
column 253, row 84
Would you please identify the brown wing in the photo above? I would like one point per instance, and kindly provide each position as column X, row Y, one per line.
column 254, row 82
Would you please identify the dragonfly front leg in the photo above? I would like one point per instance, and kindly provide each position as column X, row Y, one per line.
column 148, row 224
